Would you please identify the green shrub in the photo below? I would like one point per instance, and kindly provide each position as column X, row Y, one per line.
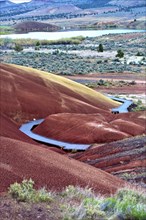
column 88, row 211
column 126, row 204
column 18, row 48
column 37, row 44
column 120, row 53
column 100, row 48
column 139, row 106
column 37, row 48
column 76, row 203
column 101, row 82
column 92, row 207
column 25, row 192
column 129, row 203
column 77, row 192
column 139, row 54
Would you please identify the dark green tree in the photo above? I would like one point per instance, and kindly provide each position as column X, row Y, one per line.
column 120, row 53
column 37, row 44
column 18, row 48
column 100, row 48
column 139, row 54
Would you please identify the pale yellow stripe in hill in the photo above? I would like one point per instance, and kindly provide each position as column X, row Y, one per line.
column 74, row 86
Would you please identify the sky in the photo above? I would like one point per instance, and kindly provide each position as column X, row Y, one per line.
column 20, row 1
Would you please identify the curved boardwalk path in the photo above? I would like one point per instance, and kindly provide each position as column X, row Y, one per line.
column 122, row 108
column 28, row 127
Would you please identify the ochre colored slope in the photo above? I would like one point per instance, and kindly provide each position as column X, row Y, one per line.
column 57, row 86
column 27, row 93
column 47, row 168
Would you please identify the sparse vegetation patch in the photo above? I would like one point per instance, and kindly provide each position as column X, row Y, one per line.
column 76, row 203
column 139, row 106
column 109, row 83
column 79, row 55
column 25, row 192
column 6, row 30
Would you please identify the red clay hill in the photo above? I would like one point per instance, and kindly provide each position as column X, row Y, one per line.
column 125, row 158
column 91, row 128
column 27, row 93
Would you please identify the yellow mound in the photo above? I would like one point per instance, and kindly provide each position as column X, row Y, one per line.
column 82, row 90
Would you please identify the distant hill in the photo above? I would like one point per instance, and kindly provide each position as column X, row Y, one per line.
column 30, row 26
column 130, row 3
column 79, row 3
column 95, row 3
column 52, row 10
column 5, row 3
column 40, row 10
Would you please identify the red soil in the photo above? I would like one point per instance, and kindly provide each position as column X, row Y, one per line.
column 81, row 128
column 10, row 129
column 24, row 96
column 118, row 157
column 92, row 128
column 47, row 168
column 128, row 127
